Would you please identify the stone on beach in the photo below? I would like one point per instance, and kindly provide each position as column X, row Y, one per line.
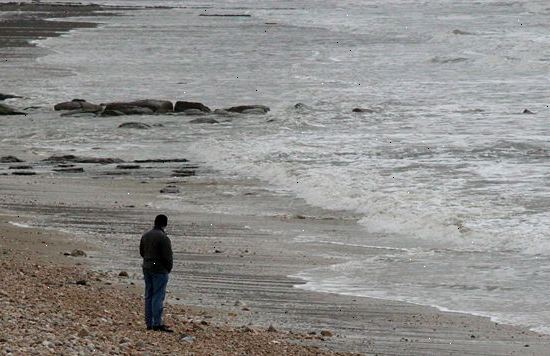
column 7, row 110
column 78, row 253
column 182, row 106
column 527, row 111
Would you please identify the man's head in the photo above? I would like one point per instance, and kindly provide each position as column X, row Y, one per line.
column 161, row 221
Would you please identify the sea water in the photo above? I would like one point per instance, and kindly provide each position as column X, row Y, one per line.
column 449, row 179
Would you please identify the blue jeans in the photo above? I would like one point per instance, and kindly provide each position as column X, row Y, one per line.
column 155, row 291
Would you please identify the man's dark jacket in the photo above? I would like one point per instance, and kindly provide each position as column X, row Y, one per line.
column 156, row 250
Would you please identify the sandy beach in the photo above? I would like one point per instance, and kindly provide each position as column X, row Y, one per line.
column 231, row 277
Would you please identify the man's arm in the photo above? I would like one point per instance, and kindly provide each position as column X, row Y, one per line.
column 167, row 256
column 141, row 247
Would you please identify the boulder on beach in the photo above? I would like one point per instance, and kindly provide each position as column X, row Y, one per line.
column 8, row 96
column 182, row 106
column 7, row 110
column 249, row 109
column 528, row 112
column 134, row 125
column 78, row 106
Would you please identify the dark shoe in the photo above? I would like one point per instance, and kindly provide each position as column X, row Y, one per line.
column 163, row 328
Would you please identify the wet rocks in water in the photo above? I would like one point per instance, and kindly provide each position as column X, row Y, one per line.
column 182, row 106
column 326, row 333
column 222, row 112
column 183, row 172
column 23, row 173
column 363, row 110
column 69, row 170
column 271, row 329
column 134, row 125
column 157, row 106
column 20, row 167
column 121, row 109
column 193, row 112
column 128, row 166
column 225, row 15
column 528, row 112
column 161, row 160
column 78, row 159
column 10, row 159
column 204, row 120
column 138, row 107
column 8, row 96
column 78, row 253
column 170, row 189
column 249, row 109
column 78, row 106
column 460, row 32
column 123, row 274
column 7, row 110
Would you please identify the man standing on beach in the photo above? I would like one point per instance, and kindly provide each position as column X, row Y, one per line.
column 156, row 250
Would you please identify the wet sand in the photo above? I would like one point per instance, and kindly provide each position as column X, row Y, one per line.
column 229, row 259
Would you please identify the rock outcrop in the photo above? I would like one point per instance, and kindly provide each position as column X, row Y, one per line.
column 182, row 106
column 204, row 120
column 134, row 125
column 249, row 109
column 78, row 106
column 158, row 106
column 138, row 107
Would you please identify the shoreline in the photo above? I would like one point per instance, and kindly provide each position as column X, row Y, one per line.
column 360, row 324
column 55, row 304
column 217, row 281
